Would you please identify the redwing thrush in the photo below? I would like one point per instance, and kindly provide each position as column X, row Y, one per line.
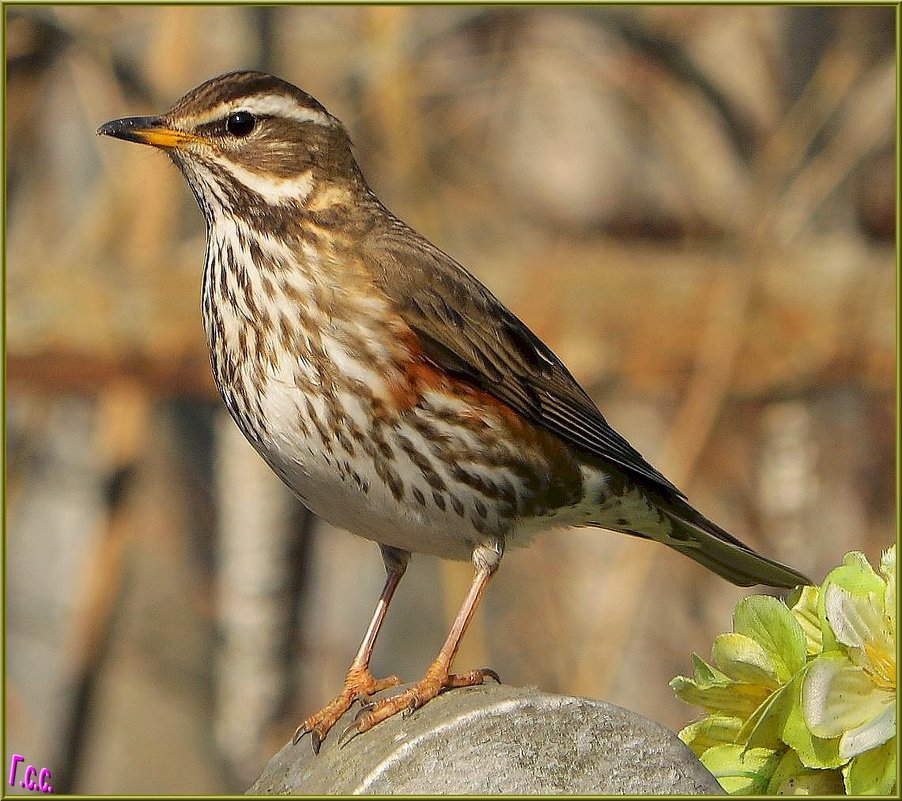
column 383, row 383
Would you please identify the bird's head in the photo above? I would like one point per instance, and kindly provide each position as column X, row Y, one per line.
column 247, row 138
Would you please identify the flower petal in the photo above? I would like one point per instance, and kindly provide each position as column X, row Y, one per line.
column 805, row 612
column 854, row 575
column 873, row 733
column 888, row 564
column 712, row 731
column 734, row 699
column 813, row 751
column 855, row 619
column 838, row 696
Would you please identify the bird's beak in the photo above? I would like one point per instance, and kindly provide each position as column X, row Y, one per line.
column 146, row 131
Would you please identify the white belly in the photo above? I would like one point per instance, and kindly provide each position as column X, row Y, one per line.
column 395, row 504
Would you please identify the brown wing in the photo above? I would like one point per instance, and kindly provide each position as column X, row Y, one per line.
column 465, row 329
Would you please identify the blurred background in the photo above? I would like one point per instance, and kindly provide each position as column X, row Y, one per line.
column 695, row 207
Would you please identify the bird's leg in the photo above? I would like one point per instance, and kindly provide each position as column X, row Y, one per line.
column 439, row 676
column 360, row 683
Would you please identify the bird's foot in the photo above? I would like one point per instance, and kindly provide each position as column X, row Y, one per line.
column 437, row 680
column 359, row 686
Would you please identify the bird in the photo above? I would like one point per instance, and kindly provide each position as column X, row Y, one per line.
column 394, row 394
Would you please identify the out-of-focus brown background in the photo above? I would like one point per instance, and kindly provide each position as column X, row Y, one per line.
column 695, row 207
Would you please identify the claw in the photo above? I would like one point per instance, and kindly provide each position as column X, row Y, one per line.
column 491, row 674
column 315, row 739
column 299, row 733
column 349, row 733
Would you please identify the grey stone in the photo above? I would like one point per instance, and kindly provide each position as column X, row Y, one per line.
column 495, row 739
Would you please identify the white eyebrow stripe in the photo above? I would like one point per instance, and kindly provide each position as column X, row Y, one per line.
column 281, row 106
column 276, row 106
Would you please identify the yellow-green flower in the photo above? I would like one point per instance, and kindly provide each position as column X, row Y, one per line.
column 801, row 699
column 850, row 692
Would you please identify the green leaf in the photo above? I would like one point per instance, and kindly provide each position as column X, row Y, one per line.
column 888, row 569
column 744, row 659
column 788, row 766
column 769, row 622
column 873, row 773
column 764, row 727
column 706, row 674
column 791, row 777
column 741, row 771
column 712, row 731
column 813, row 782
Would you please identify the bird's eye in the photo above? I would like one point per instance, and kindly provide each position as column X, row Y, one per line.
column 240, row 123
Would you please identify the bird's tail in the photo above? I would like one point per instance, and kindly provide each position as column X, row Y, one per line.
column 709, row 545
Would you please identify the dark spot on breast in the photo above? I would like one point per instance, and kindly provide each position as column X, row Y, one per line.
column 457, row 505
column 344, row 442
column 363, row 484
column 391, row 479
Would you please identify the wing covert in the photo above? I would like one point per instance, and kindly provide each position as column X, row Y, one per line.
column 463, row 328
